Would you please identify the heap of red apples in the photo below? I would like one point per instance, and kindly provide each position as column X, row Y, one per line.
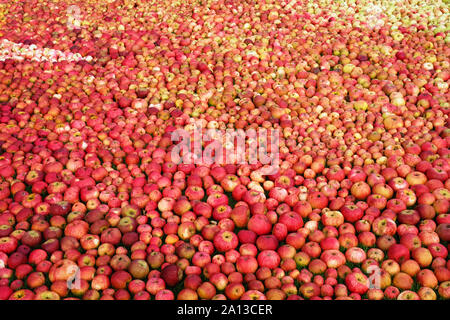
column 94, row 206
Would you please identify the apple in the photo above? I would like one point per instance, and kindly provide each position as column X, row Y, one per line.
column 225, row 240
column 165, row 295
column 402, row 281
column 192, row 281
column 333, row 258
column 267, row 242
column 206, row 291
column 186, row 230
column 427, row 278
column 317, row 200
column 259, row 224
column 280, row 231
column 22, row 294
column 391, row 292
column 438, row 250
column 384, row 226
column 110, row 235
column 217, row 199
column 253, row 295
column 303, row 208
column 5, row 292
column 139, row 269
column 60, row 208
column 408, row 295
column 443, row 290
column 155, row 285
column 202, row 208
column 31, row 238
column 383, row 189
column 15, row 259
column 269, row 259
column 355, row 255
column 422, row 256
column 443, row 230
column 234, row 291
column 295, row 239
column 8, row 244
column 309, row 290
column 352, row 213
column 357, row 282
column 360, row 190
column 171, row 275
column 120, row 262
column 410, row 217
column 120, row 279
column 329, row 243
column 291, row 219
column 410, row 267
column 246, row 264
column 411, row 241
column 398, row 252
column 426, row 293
column 230, row 182
column 348, row 240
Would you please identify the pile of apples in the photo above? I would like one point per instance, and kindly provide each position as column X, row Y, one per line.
column 93, row 206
